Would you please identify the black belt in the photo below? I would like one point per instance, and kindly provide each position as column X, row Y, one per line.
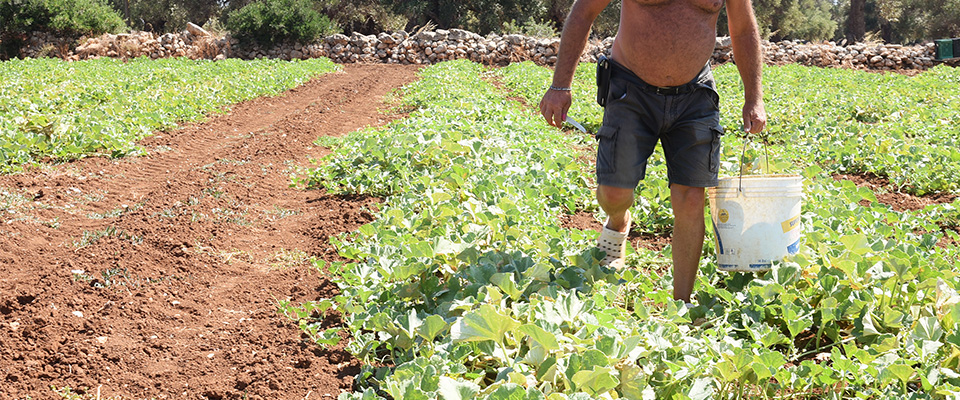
column 626, row 73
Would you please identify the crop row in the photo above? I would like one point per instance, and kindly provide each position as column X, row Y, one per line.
column 65, row 110
column 467, row 287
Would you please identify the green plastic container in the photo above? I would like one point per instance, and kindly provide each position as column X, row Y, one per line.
column 947, row 48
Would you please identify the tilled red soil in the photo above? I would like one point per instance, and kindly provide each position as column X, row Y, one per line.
column 159, row 276
column 896, row 200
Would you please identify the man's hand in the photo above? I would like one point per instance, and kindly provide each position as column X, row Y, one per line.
column 754, row 117
column 554, row 106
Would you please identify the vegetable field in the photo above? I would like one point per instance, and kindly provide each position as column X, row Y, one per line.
column 52, row 109
column 456, row 278
column 466, row 285
column 157, row 276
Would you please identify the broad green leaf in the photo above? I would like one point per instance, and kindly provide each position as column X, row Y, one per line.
column 539, row 272
column 609, row 345
column 452, row 389
column 329, row 337
column 702, row 389
column 594, row 358
column 928, row 328
column 438, row 197
column 484, row 323
column 569, row 306
column 901, row 372
column 728, row 371
column 534, row 394
column 762, row 371
column 772, row 359
column 797, row 320
column 431, row 327
column 539, row 335
column 406, row 390
column 866, row 322
column 445, row 246
column 856, row 244
column 547, row 368
column 421, row 249
column 632, row 382
column 597, row 380
column 505, row 281
column 508, row 391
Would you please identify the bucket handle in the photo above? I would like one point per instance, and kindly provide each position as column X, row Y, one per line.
column 743, row 154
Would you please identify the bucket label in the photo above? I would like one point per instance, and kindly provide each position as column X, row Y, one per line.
column 794, row 248
column 790, row 224
column 724, row 215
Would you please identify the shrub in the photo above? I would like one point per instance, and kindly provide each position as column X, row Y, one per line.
column 68, row 17
column 368, row 17
column 541, row 29
column 269, row 22
column 74, row 17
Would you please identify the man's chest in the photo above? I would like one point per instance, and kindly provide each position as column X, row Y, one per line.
column 708, row 6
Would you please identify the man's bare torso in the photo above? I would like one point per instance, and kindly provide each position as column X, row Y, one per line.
column 666, row 42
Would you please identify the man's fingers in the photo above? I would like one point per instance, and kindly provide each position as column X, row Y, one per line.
column 553, row 107
column 757, row 125
column 753, row 124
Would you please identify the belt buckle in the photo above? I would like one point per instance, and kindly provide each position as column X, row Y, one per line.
column 663, row 91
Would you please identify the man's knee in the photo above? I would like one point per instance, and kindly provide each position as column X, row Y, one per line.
column 614, row 196
column 687, row 197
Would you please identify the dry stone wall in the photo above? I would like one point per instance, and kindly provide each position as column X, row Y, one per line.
column 434, row 46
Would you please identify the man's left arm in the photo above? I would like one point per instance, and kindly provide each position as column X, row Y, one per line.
column 748, row 55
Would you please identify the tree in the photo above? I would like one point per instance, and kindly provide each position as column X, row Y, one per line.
column 856, row 21
column 270, row 22
column 926, row 20
column 807, row 20
column 67, row 17
column 480, row 16
column 363, row 16
column 168, row 15
column 791, row 19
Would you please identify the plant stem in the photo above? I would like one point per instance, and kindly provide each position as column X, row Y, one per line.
column 817, row 350
column 503, row 348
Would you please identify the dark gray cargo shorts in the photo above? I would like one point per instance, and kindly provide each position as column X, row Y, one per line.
column 686, row 119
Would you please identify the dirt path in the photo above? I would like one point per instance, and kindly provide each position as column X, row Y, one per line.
column 157, row 277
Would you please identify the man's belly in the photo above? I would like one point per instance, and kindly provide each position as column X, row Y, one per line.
column 665, row 45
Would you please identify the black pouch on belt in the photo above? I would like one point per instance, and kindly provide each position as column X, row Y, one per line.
column 603, row 80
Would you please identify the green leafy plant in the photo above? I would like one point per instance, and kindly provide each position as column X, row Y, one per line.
column 269, row 22
column 76, row 17
column 465, row 286
column 65, row 110
column 72, row 18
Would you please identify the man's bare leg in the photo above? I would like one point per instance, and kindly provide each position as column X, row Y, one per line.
column 615, row 202
column 688, row 231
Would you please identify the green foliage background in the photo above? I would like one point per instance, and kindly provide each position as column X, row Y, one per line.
column 465, row 286
column 270, row 22
column 69, row 17
column 895, row 21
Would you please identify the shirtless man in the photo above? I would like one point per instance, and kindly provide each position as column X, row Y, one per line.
column 661, row 88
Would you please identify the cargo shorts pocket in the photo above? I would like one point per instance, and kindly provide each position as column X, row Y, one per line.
column 606, row 149
column 714, row 98
column 717, row 132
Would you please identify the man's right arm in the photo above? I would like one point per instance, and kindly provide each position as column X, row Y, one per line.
column 573, row 39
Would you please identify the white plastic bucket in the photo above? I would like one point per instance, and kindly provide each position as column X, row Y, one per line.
column 756, row 220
